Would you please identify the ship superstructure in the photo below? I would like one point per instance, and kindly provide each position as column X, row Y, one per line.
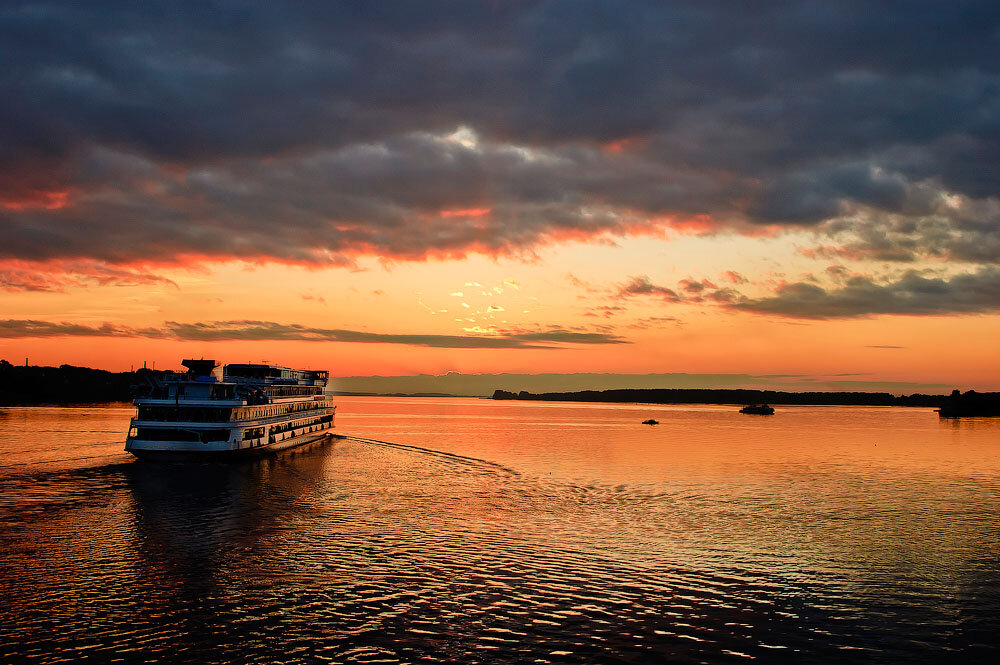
column 234, row 410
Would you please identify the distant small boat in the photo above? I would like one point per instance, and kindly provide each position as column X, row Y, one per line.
column 758, row 409
column 650, row 422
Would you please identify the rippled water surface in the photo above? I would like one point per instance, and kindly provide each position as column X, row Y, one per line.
column 463, row 530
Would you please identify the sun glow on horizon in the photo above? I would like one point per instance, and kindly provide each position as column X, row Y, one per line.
column 575, row 289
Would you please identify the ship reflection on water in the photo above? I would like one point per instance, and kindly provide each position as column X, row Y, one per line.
column 187, row 518
column 484, row 532
column 204, row 540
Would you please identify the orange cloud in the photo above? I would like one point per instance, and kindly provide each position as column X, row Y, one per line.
column 38, row 199
column 59, row 275
column 466, row 212
column 622, row 145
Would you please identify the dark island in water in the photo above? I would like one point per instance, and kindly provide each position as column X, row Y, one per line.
column 969, row 403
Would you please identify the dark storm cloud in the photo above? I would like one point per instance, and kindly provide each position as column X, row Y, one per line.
column 829, row 190
column 405, row 196
column 313, row 131
column 270, row 331
column 859, row 296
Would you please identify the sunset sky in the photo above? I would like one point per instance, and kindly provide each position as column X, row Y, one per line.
column 799, row 188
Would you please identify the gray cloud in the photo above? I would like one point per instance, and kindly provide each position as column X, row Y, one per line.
column 688, row 291
column 859, row 296
column 14, row 328
column 404, row 196
column 569, row 337
column 830, row 190
column 271, row 331
column 57, row 276
column 956, row 229
column 850, row 295
column 641, row 286
column 311, row 132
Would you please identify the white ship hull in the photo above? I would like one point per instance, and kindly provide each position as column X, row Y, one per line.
column 188, row 454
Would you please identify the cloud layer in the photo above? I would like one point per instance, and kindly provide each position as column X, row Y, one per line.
column 217, row 331
column 318, row 131
column 912, row 293
column 58, row 275
column 848, row 296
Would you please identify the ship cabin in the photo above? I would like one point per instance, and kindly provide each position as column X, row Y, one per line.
column 276, row 381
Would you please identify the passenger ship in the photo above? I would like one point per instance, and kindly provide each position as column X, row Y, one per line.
column 235, row 411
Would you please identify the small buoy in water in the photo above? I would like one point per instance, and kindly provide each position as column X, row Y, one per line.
column 650, row 422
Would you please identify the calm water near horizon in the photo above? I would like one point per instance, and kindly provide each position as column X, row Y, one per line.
column 463, row 530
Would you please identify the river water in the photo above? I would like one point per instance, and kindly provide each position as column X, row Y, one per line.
column 462, row 530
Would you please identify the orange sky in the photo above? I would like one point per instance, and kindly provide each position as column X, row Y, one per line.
column 567, row 287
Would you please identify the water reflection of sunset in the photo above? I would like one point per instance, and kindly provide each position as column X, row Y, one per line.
column 441, row 519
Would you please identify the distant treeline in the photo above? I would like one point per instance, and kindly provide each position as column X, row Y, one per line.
column 730, row 396
column 67, row 384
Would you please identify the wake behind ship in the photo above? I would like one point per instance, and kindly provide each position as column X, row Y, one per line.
column 235, row 411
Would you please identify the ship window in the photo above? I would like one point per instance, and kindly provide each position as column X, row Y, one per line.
column 222, row 392
column 189, row 414
column 179, row 434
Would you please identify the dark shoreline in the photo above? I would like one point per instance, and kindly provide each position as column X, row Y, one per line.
column 68, row 385
column 984, row 401
column 71, row 385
